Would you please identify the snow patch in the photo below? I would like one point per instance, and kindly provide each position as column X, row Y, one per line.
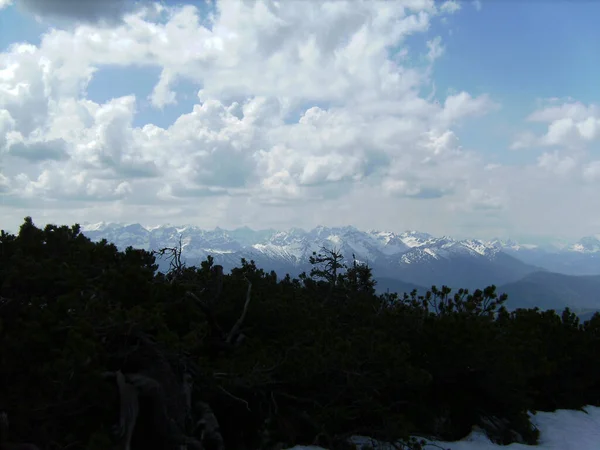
column 559, row 430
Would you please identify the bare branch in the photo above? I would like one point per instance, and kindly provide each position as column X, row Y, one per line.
column 236, row 327
column 235, row 398
column 176, row 265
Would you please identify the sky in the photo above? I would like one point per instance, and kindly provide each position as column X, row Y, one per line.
column 466, row 118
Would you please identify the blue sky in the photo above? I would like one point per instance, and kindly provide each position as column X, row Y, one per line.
column 500, row 64
column 519, row 53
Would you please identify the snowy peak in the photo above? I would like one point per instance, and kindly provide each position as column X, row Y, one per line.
column 411, row 256
column 586, row 245
column 589, row 244
column 416, row 239
column 296, row 245
column 478, row 247
column 504, row 244
column 100, row 226
column 446, row 248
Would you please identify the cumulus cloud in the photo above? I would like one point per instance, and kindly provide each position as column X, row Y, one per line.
column 463, row 105
column 80, row 10
column 7, row 124
column 55, row 149
column 65, row 184
column 303, row 111
column 559, row 165
column 254, row 47
column 570, row 125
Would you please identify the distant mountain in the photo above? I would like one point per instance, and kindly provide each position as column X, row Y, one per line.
column 412, row 257
column 579, row 258
column 548, row 290
column 394, row 285
column 469, row 270
column 566, row 262
column 532, row 275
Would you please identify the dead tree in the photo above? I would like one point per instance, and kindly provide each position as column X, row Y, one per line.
column 132, row 388
column 128, row 412
column 327, row 265
column 173, row 254
column 148, row 374
column 155, row 399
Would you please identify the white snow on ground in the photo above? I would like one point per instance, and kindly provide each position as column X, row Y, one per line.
column 559, row 430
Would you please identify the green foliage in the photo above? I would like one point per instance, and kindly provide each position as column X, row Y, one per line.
column 323, row 357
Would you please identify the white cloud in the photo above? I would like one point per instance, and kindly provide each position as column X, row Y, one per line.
column 288, row 52
column 7, row 124
column 556, row 164
column 5, row 3
column 435, row 48
column 526, row 139
column 463, row 105
column 570, row 125
column 480, row 200
column 450, row 6
column 306, row 112
column 162, row 95
column 574, row 110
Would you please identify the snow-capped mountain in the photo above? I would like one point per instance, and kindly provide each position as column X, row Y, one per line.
column 412, row 256
column 295, row 245
column 400, row 261
column 589, row 244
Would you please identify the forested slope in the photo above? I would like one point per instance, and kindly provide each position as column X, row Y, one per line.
column 91, row 337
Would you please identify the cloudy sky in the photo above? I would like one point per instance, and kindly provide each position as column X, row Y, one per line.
column 476, row 119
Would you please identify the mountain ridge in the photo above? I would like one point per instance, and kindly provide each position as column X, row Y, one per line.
column 586, row 244
column 530, row 275
column 554, row 291
column 413, row 257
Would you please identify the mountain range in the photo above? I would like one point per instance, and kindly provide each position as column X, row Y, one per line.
column 548, row 276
